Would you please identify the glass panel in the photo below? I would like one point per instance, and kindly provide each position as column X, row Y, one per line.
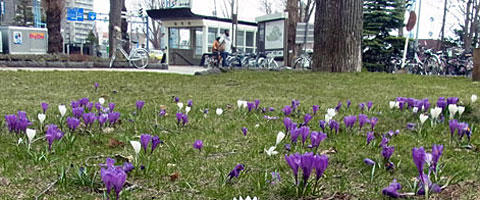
column 184, row 39
column 198, row 42
column 249, row 50
column 241, row 38
column 249, row 39
column 173, row 41
column 222, row 31
column 212, row 34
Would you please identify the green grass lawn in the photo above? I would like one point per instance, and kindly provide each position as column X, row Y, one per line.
column 202, row 174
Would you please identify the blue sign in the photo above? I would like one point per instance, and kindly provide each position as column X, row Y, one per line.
column 92, row 16
column 72, row 14
column 80, row 14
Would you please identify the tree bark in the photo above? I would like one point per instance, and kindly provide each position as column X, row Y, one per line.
column 54, row 9
column 338, row 36
column 114, row 28
column 293, row 18
column 125, row 32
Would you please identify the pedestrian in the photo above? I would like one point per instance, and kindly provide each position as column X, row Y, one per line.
column 215, row 51
column 225, row 47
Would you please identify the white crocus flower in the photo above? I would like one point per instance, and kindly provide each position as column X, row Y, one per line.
column 241, row 104
column 461, row 109
column 280, row 137
column 31, row 134
column 246, row 198
column 187, row 109
column 474, row 98
column 180, row 105
column 423, row 118
column 392, row 104
column 20, row 141
column 101, row 100
column 41, row 117
column 397, row 104
column 257, row 125
column 415, row 109
column 271, row 151
column 435, row 112
column 331, row 112
column 136, row 146
column 452, row 108
column 219, row 111
column 62, row 110
column 327, row 118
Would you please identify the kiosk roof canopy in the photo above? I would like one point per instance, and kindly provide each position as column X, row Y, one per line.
column 186, row 13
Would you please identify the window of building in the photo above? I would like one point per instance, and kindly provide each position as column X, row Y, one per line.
column 198, row 41
column 212, row 35
column 179, row 38
column 240, row 38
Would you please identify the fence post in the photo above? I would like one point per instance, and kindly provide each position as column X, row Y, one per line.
column 476, row 65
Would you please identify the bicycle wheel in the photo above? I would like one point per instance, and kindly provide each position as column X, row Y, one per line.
column 139, row 58
column 112, row 60
column 261, row 62
column 298, row 63
column 272, row 64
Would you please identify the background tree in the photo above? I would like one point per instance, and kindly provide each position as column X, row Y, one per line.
column 155, row 26
column 55, row 12
column 125, row 32
column 293, row 19
column 338, row 36
column 24, row 13
column 92, row 38
column 381, row 17
column 468, row 33
column 114, row 29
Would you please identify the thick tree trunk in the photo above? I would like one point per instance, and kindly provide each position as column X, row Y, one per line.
column 293, row 18
column 125, row 32
column 54, row 9
column 114, row 28
column 338, row 36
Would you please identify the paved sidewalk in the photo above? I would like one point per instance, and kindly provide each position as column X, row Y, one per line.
column 185, row 70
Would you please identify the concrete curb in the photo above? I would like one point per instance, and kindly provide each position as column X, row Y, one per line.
column 58, row 64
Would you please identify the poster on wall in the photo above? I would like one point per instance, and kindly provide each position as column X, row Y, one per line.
column 274, row 34
column 17, row 38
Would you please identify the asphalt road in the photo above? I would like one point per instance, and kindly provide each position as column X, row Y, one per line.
column 185, row 70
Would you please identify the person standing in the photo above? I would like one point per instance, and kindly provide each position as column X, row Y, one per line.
column 225, row 47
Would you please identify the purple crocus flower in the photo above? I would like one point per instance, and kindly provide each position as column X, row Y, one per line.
column 96, row 86
column 140, row 105
column 411, row 126
column 52, row 133
column 74, row 104
column 288, row 147
column 322, row 124
column 102, row 118
column 271, row 109
column 99, row 107
column 257, row 102
column 244, row 131
column 361, row 106
column 370, row 137
column 163, row 112
column 72, row 123
column 437, row 151
column 11, row 121
column 184, row 119
column 295, row 104
column 392, row 189
column 307, row 163
column 453, row 124
column 176, row 99
column 198, row 144
column 113, row 117
column 369, row 161
column 307, row 119
column 362, row 119
column 113, row 178
column 339, row 106
column 350, row 121
column 315, row 109
column 236, row 171
column 190, row 103
column 287, row 110
column 17, row 123
column 441, row 103
column 316, row 138
column 89, row 106
column 127, row 167
column 145, row 140
column 373, row 122
column 111, row 106
column 419, row 155
column 89, row 119
column 44, row 107
column 179, row 116
column 387, row 152
column 463, row 129
column 294, row 161
column 294, row 133
column 384, row 142
column 83, row 101
column 334, row 126
column 305, row 131
column 77, row 112
column 433, row 188
column 250, row 106
column 155, row 142
column 426, row 104
column 287, row 122
column 275, row 178
column 369, row 105
column 320, row 164
column 452, row 100
column 401, row 105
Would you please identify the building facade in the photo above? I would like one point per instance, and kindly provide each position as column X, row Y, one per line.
column 11, row 9
column 76, row 32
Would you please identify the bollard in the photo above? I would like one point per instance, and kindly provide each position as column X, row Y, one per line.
column 476, row 65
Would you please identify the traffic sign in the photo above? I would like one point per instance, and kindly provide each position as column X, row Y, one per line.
column 72, row 14
column 80, row 14
column 92, row 16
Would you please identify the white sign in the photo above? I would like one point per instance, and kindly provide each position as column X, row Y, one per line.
column 177, row 3
column 274, row 35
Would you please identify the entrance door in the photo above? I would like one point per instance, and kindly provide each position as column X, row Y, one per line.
column 185, row 46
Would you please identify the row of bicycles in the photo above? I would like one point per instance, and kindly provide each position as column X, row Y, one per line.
column 453, row 62
column 257, row 60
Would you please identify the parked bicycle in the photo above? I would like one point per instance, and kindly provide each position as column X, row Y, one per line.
column 137, row 57
column 267, row 61
column 303, row 61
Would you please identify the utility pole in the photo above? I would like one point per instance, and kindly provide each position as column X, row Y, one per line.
column 234, row 22
column 215, row 8
column 443, row 23
column 418, row 22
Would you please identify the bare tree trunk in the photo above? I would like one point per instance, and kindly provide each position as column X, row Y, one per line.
column 338, row 36
column 442, row 32
column 466, row 40
column 125, row 32
column 54, row 9
column 473, row 26
column 114, row 28
column 293, row 18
